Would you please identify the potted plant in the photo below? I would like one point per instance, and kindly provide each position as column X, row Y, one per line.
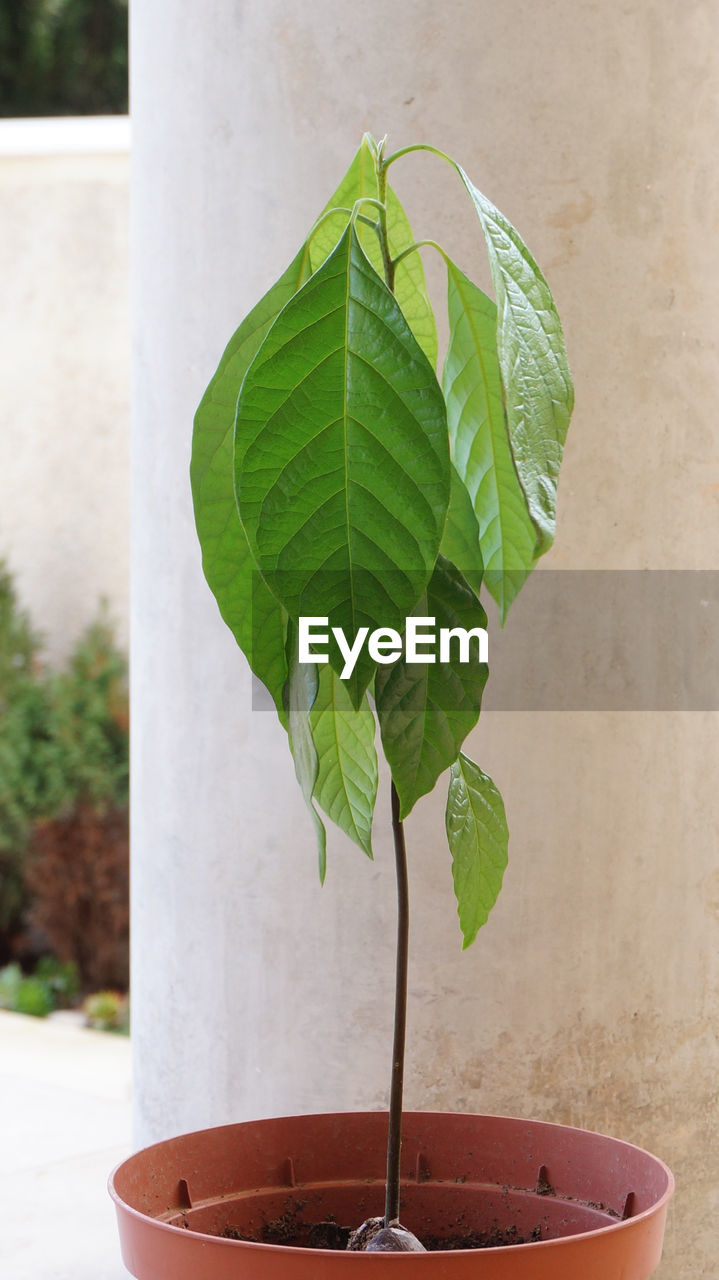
column 351, row 510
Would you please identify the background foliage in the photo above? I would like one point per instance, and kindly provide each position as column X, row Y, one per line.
column 63, row 57
column 78, row 879
column 63, row 797
column 24, row 744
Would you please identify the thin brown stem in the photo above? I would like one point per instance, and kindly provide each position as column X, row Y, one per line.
column 394, row 1140
column 394, row 1137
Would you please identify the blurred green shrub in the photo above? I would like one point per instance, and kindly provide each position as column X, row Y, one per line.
column 64, row 794
column 52, row 986
column 87, row 752
column 24, row 747
column 10, row 980
column 63, row 57
column 61, row 979
column 108, row 1011
column 34, row 998
column 78, row 872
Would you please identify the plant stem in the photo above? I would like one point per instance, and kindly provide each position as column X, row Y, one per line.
column 418, row 146
column 418, row 244
column 394, row 1140
column 384, row 236
column 394, row 1136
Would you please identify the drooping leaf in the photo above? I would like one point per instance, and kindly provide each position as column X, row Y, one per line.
column 346, row 786
column 481, row 450
column 342, row 456
column 409, row 286
column 538, row 390
column 301, row 692
column 409, row 280
column 478, row 837
column 425, row 711
column 250, row 610
column 460, row 540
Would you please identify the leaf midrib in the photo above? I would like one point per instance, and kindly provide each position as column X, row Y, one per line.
column 350, row 557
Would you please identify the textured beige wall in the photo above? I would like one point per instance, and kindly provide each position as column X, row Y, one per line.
column 64, row 352
column 592, row 995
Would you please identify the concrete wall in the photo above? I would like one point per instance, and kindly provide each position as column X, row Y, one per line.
column 592, row 995
column 65, row 344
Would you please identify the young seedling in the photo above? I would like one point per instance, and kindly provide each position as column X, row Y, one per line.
column 340, row 490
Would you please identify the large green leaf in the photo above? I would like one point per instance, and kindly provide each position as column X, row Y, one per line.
column 426, row 710
column 342, row 455
column 460, row 539
column 250, row 610
column 537, row 383
column 346, row 785
column 410, row 288
column 480, row 445
column 478, row 838
column 300, row 694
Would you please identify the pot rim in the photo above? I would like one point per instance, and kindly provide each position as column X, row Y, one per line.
column 556, row 1242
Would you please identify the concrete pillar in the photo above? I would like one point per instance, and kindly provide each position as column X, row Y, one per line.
column 589, row 996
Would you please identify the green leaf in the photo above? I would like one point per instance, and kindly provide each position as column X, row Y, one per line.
column 409, row 281
column 360, row 181
column 460, row 540
column 410, row 287
column 426, row 710
column 537, row 383
column 480, row 445
column 301, row 694
column 346, row 785
column 478, row 838
column 252, row 613
column 342, row 455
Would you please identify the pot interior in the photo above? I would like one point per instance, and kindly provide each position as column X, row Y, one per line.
column 484, row 1179
column 451, row 1216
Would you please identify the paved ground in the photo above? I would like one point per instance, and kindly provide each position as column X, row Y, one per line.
column 64, row 1123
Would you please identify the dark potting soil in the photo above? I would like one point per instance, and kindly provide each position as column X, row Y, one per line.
column 289, row 1231
column 497, row 1237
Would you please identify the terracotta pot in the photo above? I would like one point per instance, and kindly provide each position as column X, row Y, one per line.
column 593, row 1207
